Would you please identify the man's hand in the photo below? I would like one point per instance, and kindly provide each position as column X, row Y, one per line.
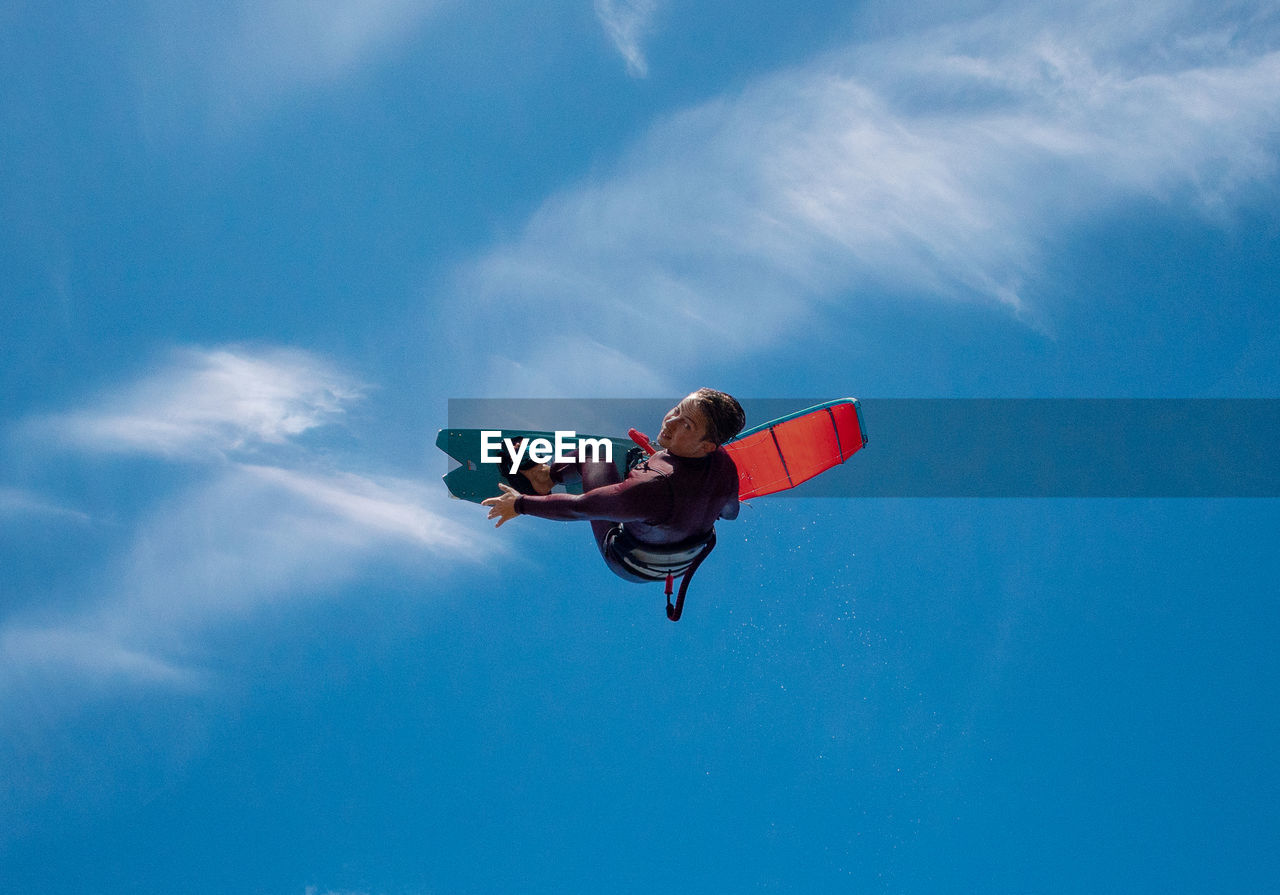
column 503, row 507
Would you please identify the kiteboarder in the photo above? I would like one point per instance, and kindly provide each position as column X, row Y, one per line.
column 659, row 520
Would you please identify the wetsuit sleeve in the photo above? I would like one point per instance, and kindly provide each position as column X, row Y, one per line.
column 631, row 500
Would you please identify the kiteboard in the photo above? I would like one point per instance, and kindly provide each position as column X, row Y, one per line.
column 771, row 457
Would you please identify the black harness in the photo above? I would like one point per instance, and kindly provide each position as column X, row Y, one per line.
column 650, row 562
column 661, row 563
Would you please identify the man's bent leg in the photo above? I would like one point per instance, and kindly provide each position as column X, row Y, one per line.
column 598, row 474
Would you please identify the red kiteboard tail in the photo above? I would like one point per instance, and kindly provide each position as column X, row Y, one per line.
column 785, row 452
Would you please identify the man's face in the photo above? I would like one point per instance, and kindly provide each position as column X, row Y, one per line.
column 684, row 431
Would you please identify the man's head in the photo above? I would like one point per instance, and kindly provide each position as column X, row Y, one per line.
column 701, row 423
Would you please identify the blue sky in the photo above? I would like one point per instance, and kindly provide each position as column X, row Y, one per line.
column 247, row 643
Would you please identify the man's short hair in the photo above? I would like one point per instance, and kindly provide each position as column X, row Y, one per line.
column 723, row 413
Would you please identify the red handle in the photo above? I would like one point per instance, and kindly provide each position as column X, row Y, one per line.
column 643, row 440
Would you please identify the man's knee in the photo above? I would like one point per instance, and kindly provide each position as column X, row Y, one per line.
column 598, row 473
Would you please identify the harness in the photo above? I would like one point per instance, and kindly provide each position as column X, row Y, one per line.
column 658, row 563
column 664, row 563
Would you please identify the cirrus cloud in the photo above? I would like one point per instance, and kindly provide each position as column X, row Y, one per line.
column 627, row 22
column 247, row 528
column 203, row 403
column 233, row 61
column 941, row 163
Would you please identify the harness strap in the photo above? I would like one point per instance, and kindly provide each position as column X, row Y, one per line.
column 673, row 612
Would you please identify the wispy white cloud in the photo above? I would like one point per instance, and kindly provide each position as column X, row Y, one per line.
column 575, row 360
column 202, row 403
column 940, row 163
column 236, row 59
column 628, row 22
column 219, row 552
column 394, row 508
column 15, row 502
column 91, row 654
column 291, row 527
column 293, row 42
column 257, row 536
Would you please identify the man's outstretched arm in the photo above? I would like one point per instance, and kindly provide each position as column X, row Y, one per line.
column 627, row 501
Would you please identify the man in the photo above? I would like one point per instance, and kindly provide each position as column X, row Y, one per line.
column 660, row 520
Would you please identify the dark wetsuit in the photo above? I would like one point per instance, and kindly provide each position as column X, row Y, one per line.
column 666, row 501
